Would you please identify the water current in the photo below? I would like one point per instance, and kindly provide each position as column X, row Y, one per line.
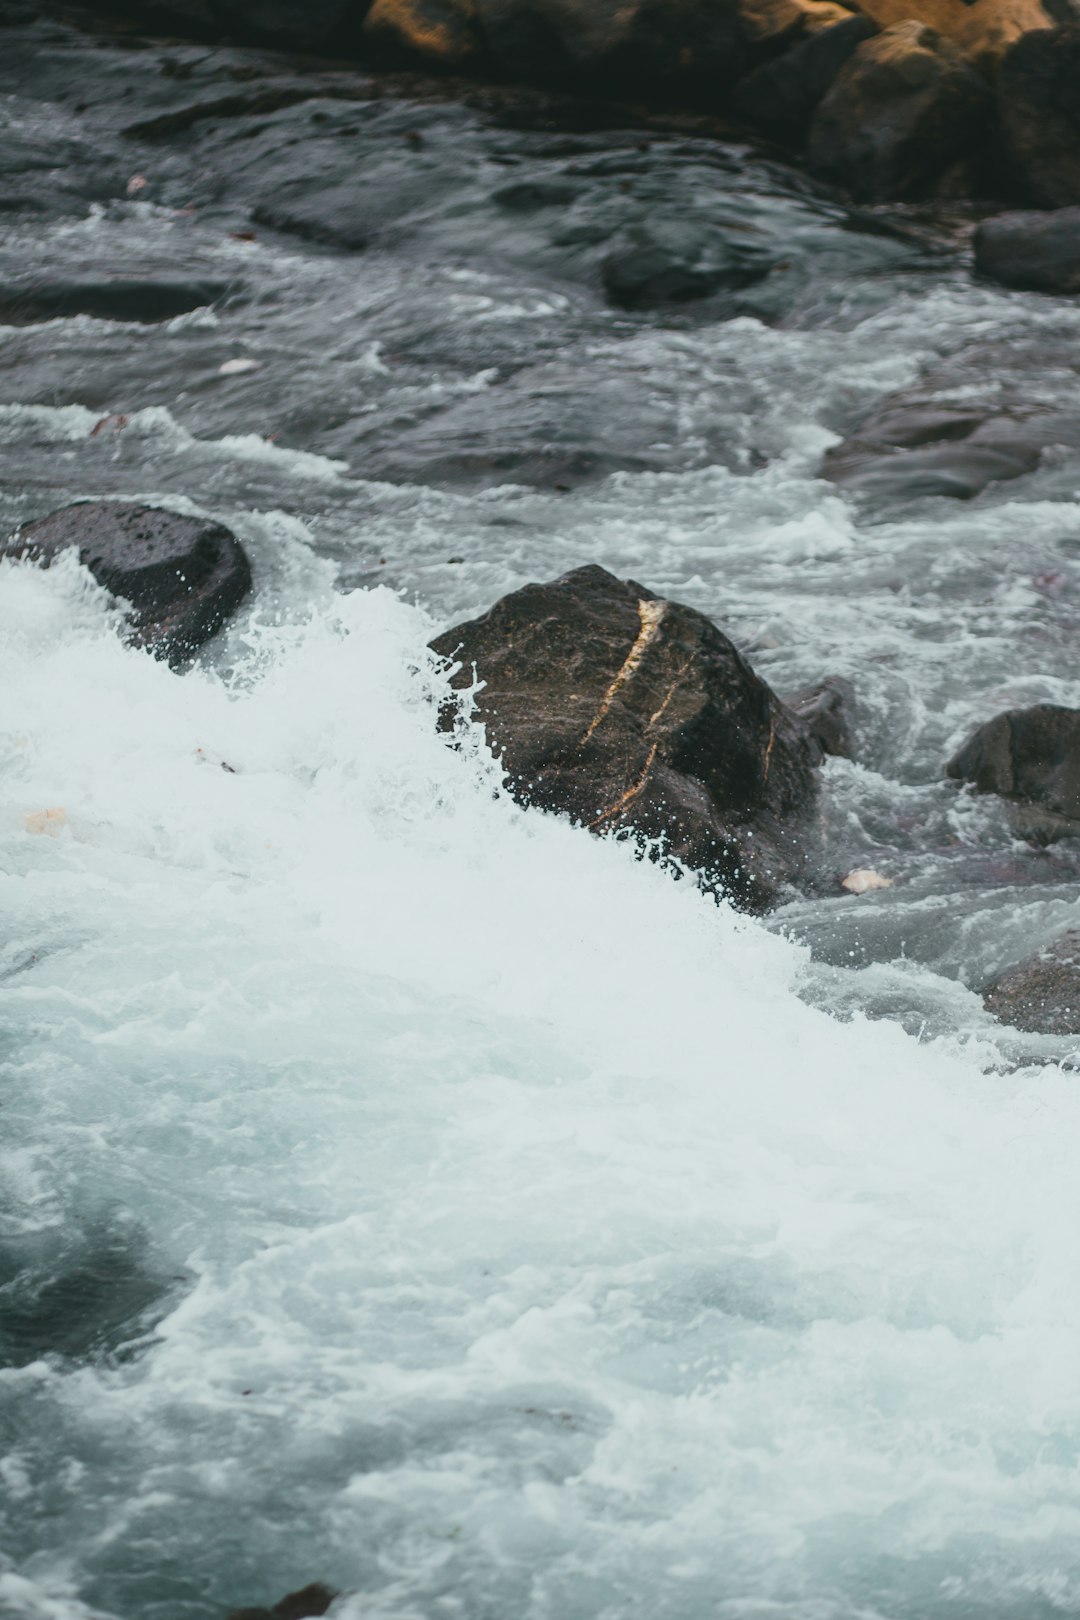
column 402, row 1189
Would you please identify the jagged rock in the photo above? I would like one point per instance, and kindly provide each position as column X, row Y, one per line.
column 1038, row 251
column 1039, row 111
column 183, row 576
column 637, row 715
column 982, row 30
column 117, row 298
column 827, row 710
column 1030, row 757
column 782, row 95
column 772, row 25
column 1042, row 994
column 312, row 1601
column 917, row 444
column 903, row 108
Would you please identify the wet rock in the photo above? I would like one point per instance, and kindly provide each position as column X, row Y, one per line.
column 782, row 95
column 1039, row 111
column 918, row 444
column 303, row 24
column 637, row 715
column 313, row 1600
column 673, row 261
column 118, row 298
column 827, row 710
column 774, row 25
column 902, row 109
column 183, row 576
column 442, row 32
column 1030, row 757
column 1038, row 251
column 1041, row 995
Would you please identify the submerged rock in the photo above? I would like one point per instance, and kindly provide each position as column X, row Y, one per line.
column 311, row 1601
column 1031, row 249
column 827, row 710
column 673, row 261
column 117, row 298
column 1031, row 757
column 635, row 714
column 183, row 576
column 1042, row 994
column 1039, row 110
column 917, row 444
column 902, row 109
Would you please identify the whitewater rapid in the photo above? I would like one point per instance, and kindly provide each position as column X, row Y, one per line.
column 514, row 1239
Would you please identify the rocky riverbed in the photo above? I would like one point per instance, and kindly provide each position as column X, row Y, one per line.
column 403, row 345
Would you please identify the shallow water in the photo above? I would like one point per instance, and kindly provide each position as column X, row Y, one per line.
column 401, row 1189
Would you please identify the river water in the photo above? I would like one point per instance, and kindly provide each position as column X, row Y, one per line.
column 401, row 1189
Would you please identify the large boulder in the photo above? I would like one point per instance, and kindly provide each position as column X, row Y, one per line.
column 1042, row 994
column 904, row 108
column 1030, row 249
column 183, row 576
column 782, row 94
column 1031, row 758
column 1039, row 111
column 637, row 715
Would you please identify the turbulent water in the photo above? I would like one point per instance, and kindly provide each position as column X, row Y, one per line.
column 402, row 1189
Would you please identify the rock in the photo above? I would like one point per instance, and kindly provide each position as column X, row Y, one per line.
column 782, row 95
column 183, row 576
column 312, row 1600
column 826, row 710
column 303, row 24
column 864, row 880
column 1031, row 757
column 982, row 30
column 653, row 47
column 672, row 261
column 117, row 298
column 918, row 444
column 636, row 715
column 1041, row 995
column 1039, row 112
column 772, row 25
column 903, row 108
column 1038, row 251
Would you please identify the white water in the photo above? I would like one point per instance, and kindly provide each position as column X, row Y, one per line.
column 534, row 1250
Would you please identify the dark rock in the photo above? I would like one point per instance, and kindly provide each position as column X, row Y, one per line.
column 311, row 1601
column 827, row 710
column 1042, row 995
column 183, row 576
column 672, row 261
column 917, row 444
column 304, row 24
column 1031, row 757
column 654, row 47
column 902, row 110
column 1039, row 111
column 781, row 96
column 119, row 298
column 637, row 715
column 1039, row 251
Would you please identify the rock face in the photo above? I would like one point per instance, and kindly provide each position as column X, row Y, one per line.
column 1030, row 757
column 635, row 714
column 903, row 108
column 1042, row 995
column 1039, row 251
column 183, row 576
column 1039, row 111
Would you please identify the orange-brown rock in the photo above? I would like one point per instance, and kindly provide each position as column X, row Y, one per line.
column 442, row 31
column 982, row 31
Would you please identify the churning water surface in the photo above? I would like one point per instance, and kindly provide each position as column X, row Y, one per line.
column 402, row 1189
